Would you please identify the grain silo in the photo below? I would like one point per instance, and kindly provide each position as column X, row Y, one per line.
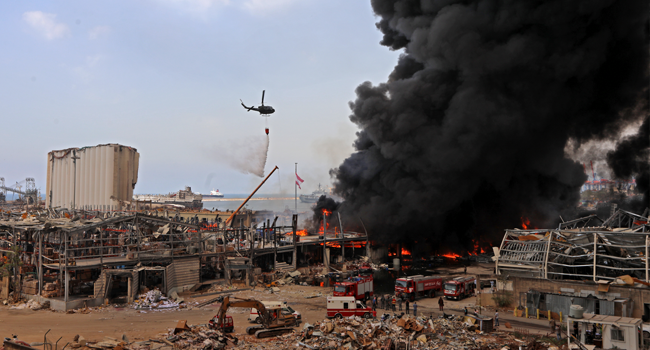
column 93, row 178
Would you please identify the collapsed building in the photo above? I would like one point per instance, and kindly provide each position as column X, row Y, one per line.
column 599, row 264
column 73, row 259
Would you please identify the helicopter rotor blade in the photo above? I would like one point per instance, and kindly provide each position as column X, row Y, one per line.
column 263, row 91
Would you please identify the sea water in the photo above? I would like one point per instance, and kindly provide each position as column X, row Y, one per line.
column 273, row 202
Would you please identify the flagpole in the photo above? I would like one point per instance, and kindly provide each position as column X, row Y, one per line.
column 295, row 186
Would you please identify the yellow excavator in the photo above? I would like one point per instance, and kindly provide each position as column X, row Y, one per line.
column 274, row 322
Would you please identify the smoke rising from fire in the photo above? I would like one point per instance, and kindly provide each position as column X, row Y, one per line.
column 246, row 155
column 324, row 205
column 468, row 133
column 630, row 158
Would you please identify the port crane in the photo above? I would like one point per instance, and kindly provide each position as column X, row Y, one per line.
column 30, row 194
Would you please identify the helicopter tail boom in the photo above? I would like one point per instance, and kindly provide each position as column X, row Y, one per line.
column 247, row 108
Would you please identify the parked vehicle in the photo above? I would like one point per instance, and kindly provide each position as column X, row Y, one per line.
column 360, row 288
column 417, row 286
column 340, row 307
column 254, row 316
column 227, row 326
column 460, row 287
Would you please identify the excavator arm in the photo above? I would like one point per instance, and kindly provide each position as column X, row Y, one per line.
column 261, row 309
column 271, row 325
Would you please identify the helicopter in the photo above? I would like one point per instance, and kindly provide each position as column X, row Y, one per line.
column 265, row 111
column 262, row 109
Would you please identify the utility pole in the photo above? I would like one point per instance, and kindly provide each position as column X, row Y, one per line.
column 74, row 193
column 325, row 260
column 294, row 224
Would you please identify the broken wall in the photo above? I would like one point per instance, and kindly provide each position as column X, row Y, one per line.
column 182, row 274
column 637, row 296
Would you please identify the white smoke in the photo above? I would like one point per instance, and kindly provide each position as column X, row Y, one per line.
column 246, row 155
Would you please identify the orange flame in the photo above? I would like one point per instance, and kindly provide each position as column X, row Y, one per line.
column 477, row 248
column 525, row 222
column 320, row 232
column 327, row 212
column 405, row 251
column 301, row 233
column 451, row 255
column 298, row 233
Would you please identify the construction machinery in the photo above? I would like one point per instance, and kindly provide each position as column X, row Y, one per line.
column 273, row 321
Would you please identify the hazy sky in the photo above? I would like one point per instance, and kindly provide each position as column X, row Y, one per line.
column 166, row 77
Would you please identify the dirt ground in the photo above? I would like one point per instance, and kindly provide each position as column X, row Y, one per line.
column 30, row 326
column 115, row 321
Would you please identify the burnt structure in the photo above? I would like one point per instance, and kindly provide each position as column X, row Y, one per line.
column 76, row 258
column 583, row 249
column 600, row 264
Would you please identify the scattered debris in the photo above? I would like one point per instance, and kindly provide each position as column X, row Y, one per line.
column 32, row 305
column 357, row 333
column 197, row 337
column 154, row 299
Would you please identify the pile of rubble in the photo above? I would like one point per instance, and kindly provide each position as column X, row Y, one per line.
column 198, row 337
column 453, row 332
column 406, row 332
column 32, row 305
column 154, row 299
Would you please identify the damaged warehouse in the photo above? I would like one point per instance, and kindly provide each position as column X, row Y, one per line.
column 73, row 259
column 598, row 264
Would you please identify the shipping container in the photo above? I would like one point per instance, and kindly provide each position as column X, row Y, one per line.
column 93, row 178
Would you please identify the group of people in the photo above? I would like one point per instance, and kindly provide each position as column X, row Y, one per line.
column 394, row 303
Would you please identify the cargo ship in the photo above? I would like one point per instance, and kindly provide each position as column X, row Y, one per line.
column 186, row 198
column 213, row 194
column 313, row 197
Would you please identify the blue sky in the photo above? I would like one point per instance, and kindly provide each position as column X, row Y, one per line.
column 166, row 77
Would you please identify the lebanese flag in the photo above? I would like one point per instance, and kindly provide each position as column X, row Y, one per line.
column 299, row 181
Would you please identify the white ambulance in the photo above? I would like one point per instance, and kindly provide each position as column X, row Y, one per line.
column 340, row 307
column 255, row 317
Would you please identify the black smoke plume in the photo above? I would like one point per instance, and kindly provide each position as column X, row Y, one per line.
column 467, row 136
column 328, row 204
column 630, row 159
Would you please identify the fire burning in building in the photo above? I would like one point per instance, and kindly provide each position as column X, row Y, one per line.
column 301, row 233
column 476, row 115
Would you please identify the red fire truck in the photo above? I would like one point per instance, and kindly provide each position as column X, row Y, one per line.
column 418, row 285
column 358, row 287
column 460, row 287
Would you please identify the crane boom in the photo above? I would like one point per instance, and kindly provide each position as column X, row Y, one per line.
column 232, row 216
column 5, row 188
